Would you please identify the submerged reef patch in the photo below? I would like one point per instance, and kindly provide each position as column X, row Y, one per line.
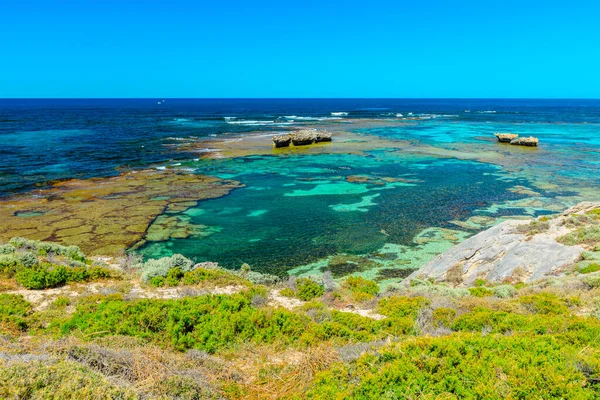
column 108, row 215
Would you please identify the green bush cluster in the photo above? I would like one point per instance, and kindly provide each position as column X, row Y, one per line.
column 401, row 306
column 215, row 276
column 426, row 287
column 463, row 367
column 582, row 235
column 48, row 379
column 544, row 303
column 46, row 275
column 360, row 288
column 44, row 248
column 13, row 310
column 480, row 291
column 504, row 291
column 307, row 289
column 592, row 281
column 160, row 267
column 592, row 267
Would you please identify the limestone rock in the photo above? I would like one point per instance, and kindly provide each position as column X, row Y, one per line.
column 528, row 141
column 505, row 137
column 301, row 137
column 505, row 253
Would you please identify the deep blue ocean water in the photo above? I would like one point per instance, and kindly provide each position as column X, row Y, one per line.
column 284, row 218
column 46, row 139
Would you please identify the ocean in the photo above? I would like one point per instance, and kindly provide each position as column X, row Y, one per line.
column 422, row 175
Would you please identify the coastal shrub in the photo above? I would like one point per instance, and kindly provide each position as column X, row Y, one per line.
column 460, row 367
column 360, row 288
column 47, row 275
column 42, row 277
column 504, row 291
column 425, row 287
column 534, row 227
column 199, row 276
column 443, row 317
column 287, row 292
column 49, row 379
column 259, row 278
column 479, row 282
column 7, row 248
column 27, row 259
column 544, row 303
column 593, row 267
column 8, row 265
column 592, row 281
column 308, row 289
column 44, row 248
column 480, row 292
column 401, row 306
column 13, row 311
column 582, row 235
column 207, row 322
column 160, row 267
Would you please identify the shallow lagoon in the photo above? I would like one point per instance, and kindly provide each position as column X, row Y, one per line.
column 393, row 196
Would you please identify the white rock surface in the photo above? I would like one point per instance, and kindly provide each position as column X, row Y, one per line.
column 501, row 253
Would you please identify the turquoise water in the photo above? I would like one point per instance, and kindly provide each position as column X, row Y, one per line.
column 440, row 179
column 297, row 210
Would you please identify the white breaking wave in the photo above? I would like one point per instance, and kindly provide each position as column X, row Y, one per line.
column 339, row 114
column 257, row 123
column 487, row 112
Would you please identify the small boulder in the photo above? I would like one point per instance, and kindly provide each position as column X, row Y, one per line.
column 528, row 141
column 505, row 137
column 282, row 141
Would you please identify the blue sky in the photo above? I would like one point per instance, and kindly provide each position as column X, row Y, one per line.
column 186, row 48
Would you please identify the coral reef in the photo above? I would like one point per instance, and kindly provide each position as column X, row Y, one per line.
column 107, row 215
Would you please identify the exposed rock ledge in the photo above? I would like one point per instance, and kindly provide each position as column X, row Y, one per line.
column 301, row 137
column 504, row 254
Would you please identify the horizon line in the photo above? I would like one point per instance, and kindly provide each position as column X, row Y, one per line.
column 299, row 98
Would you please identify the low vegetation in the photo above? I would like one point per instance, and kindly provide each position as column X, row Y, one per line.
column 167, row 328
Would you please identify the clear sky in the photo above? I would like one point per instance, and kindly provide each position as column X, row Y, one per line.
column 366, row 48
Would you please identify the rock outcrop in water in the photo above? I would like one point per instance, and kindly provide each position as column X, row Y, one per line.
column 513, row 251
column 505, row 137
column 301, row 137
column 528, row 141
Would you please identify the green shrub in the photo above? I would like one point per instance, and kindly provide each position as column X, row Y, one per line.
column 534, row 227
column 593, row 267
column 401, row 306
column 27, row 259
column 287, row 292
column 544, row 303
column 8, row 265
column 44, row 248
column 480, row 282
column 57, row 380
column 360, row 288
column 308, row 289
column 460, row 367
column 207, row 322
column 592, row 281
column 504, row 291
column 14, row 311
column 443, row 317
column 7, row 248
column 215, row 276
column 47, row 275
column 582, row 235
column 480, row 292
column 160, row 267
